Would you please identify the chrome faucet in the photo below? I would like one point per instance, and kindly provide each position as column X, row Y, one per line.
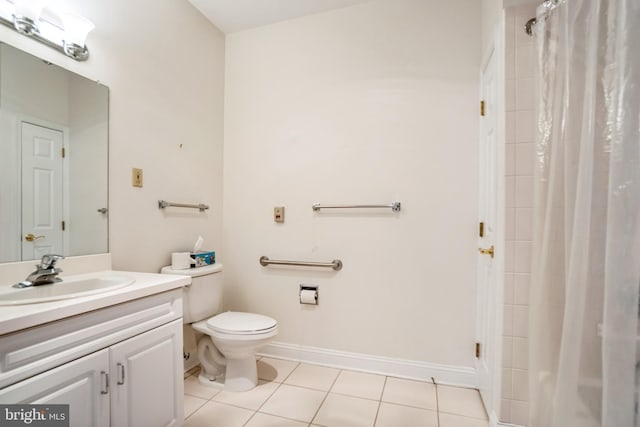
column 45, row 274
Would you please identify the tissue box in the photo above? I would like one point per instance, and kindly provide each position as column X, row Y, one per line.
column 204, row 258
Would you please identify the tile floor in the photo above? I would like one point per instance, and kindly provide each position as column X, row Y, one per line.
column 292, row 394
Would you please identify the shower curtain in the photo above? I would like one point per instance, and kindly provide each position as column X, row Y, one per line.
column 583, row 343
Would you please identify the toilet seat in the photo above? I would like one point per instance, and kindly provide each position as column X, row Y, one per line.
column 239, row 323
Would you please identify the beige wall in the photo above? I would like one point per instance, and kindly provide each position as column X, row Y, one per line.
column 164, row 64
column 491, row 14
column 367, row 104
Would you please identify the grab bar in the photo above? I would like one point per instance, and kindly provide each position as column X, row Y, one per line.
column 164, row 204
column 336, row 264
column 395, row 206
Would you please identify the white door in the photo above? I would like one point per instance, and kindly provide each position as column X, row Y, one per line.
column 147, row 379
column 82, row 384
column 487, row 277
column 42, row 198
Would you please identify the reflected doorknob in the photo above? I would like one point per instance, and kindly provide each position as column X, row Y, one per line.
column 30, row 237
column 489, row 251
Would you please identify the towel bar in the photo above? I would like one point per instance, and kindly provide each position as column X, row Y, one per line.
column 164, row 204
column 336, row 264
column 395, row 206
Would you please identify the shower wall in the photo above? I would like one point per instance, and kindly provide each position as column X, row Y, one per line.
column 520, row 118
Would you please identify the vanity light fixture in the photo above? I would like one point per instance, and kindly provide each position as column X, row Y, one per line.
column 26, row 15
column 68, row 37
column 76, row 29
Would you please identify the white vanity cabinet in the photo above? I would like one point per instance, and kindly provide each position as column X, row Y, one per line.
column 144, row 388
column 119, row 366
column 79, row 383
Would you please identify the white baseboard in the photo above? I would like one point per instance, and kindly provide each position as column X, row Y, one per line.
column 507, row 425
column 463, row 376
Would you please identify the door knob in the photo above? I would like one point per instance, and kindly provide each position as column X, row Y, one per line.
column 30, row 237
column 489, row 251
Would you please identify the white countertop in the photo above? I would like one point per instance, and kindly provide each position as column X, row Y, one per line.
column 17, row 317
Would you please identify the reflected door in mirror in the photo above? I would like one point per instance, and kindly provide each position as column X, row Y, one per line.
column 42, row 197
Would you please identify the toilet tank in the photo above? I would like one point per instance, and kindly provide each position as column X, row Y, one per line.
column 203, row 298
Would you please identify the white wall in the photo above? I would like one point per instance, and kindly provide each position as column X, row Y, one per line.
column 88, row 156
column 371, row 103
column 164, row 64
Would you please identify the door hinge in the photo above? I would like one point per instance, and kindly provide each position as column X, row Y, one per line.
column 477, row 350
column 63, row 152
column 482, row 107
column 63, row 225
column 481, row 229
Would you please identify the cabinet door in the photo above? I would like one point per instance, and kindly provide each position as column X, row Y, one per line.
column 82, row 384
column 147, row 383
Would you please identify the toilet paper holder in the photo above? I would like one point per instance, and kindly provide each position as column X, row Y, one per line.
column 308, row 294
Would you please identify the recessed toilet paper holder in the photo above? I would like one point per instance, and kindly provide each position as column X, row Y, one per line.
column 308, row 294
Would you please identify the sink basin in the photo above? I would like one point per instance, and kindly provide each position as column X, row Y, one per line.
column 69, row 288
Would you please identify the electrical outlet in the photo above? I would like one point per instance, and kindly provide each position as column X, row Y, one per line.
column 278, row 214
column 136, row 177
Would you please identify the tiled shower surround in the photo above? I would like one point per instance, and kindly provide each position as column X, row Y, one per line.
column 520, row 63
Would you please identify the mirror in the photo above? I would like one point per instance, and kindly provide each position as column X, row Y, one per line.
column 54, row 163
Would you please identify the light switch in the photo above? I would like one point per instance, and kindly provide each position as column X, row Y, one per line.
column 136, row 177
column 278, row 214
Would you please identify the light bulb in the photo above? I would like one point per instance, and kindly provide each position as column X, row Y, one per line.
column 76, row 29
column 27, row 14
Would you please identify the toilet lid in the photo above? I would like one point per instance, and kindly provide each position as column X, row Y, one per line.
column 235, row 322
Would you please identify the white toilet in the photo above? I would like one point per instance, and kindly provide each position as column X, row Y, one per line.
column 229, row 339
